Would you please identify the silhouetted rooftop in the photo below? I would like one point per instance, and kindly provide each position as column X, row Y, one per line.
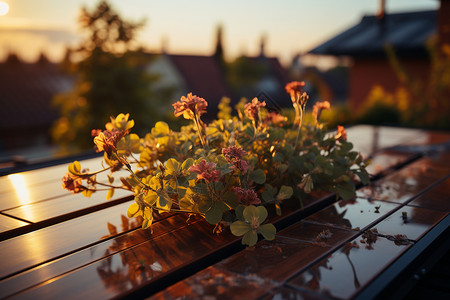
column 408, row 33
column 203, row 76
column 27, row 91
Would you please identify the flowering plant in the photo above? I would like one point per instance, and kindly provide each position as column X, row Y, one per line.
column 227, row 171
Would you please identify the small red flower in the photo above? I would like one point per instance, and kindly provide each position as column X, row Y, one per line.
column 341, row 133
column 233, row 155
column 190, row 106
column 317, row 109
column 72, row 183
column 246, row 196
column 274, row 118
column 206, row 170
column 294, row 87
column 252, row 109
column 107, row 140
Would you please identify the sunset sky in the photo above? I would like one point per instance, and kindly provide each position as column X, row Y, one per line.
column 291, row 26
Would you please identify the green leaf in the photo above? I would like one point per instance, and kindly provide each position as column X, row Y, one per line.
column 151, row 198
column 187, row 164
column 267, row 196
column 160, row 129
column 110, row 194
column 250, row 238
column 132, row 181
column 218, row 186
column 133, row 210
column 261, row 213
column 268, row 231
column 147, row 223
column 240, row 212
column 200, row 188
column 75, row 167
column 87, row 193
column 130, row 143
column 282, row 168
column 307, row 183
column 285, row 192
column 239, row 228
column 214, row 214
column 225, row 169
column 230, row 199
column 278, row 157
column 110, row 179
column 172, row 166
column 346, row 190
column 249, row 213
column 258, row 176
column 364, row 176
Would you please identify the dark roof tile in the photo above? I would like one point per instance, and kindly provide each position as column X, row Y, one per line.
column 408, row 33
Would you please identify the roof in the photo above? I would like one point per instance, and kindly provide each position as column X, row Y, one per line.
column 408, row 33
column 27, row 91
column 203, row 76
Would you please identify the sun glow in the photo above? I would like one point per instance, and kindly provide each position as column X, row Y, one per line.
column 4, row 8
column 23, row 194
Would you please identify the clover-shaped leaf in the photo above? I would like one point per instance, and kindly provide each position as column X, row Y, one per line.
column 161, row 129
column 215, row 212
column 250, row 228
column 133, row 210
column 129, row 144
column 285, row 192
column 172, row 166
column 75, row 168
column 258, row 176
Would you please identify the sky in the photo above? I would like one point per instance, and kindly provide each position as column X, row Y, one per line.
column 188, row 27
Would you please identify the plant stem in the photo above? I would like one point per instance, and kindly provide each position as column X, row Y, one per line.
column 128, row 167
column 299, row 128
column 110, row 185
column 197, row 122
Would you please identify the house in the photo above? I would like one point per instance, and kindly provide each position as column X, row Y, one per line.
column 407, row 33
column 200, row 75
column 26, row 92
column 211, row 78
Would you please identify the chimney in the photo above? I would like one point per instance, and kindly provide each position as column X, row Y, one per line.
column 381, row 12
column 444, row 23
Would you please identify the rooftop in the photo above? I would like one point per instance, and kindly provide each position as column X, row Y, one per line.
column 408, row 33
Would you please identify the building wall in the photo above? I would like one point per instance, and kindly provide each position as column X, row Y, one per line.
column 366, row 73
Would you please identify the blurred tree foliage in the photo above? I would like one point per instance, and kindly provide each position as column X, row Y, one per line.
column 383, row 108
column 111, row 77
column 427, row 104
column 243, row 73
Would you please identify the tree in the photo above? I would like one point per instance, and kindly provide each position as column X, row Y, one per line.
column 111, row 78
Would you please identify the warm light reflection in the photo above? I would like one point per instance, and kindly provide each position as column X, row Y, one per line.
column 20, row 186
column 23, row 194
column 34, row 243
column 4, row 8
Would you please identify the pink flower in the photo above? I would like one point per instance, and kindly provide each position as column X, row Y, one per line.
column 246, row 196
column 206, row 170
column 252, row 109
column 274, row 118
column 294, row 87
column 243, row 166
column 233, row 155
column 72, row 183
column 190, row 106
column 107, row 140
